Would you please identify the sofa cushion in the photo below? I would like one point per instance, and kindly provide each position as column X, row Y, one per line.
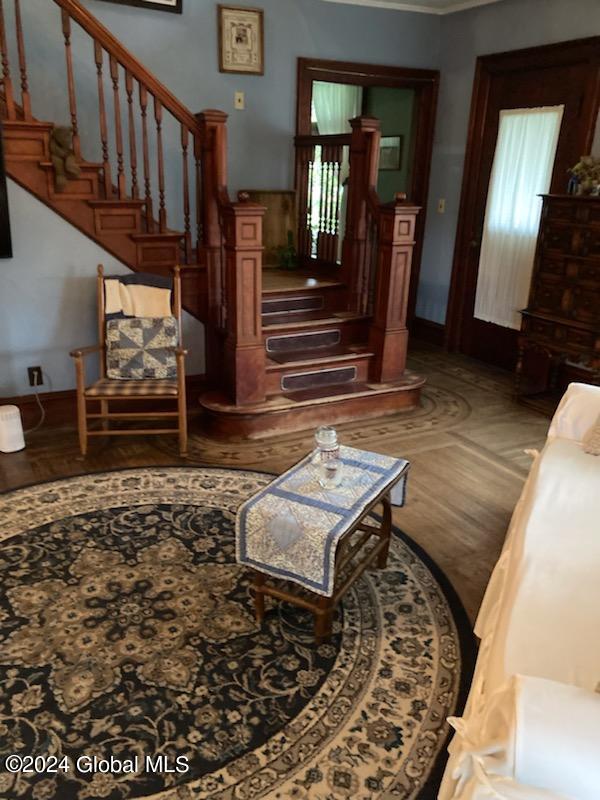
column 577, row 412
column 591, row 440
column 535, row 739
column 141, row 347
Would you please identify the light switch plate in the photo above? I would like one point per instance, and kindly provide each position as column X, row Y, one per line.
column 240, row 101
column 442, row 205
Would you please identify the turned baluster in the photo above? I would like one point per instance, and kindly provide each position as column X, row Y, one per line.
column 337, row 169
column 114, row 74
column 198, row 176
column 66, row 29
column 186, row 195
column 162, row 211
column 304, row 183
column 146, row 158
column 98, row 56
column 6, row 79
column 25, row 98
column 132, row 143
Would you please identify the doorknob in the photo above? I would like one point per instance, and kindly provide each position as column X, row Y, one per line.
column 474, row 243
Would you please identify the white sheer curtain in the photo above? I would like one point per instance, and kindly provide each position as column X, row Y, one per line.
column 335, row 104
column 522, row 169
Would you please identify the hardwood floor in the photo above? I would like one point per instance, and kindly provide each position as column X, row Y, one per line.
column 465, row 445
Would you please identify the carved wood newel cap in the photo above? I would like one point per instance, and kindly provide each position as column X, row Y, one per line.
column 212, row 115
column 365, row 123
column 243, row 197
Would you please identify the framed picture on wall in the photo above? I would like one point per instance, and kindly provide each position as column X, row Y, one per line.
column 241, row 40
column 390, row 153
column 158, row 5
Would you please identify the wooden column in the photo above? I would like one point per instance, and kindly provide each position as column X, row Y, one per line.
column 244, row 348
column 213, row 125
column 210, row 153
column 364, row 164
column 388, row 336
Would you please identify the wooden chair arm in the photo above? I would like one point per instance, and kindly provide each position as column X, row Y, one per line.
column 179, row 351
column 86, row 351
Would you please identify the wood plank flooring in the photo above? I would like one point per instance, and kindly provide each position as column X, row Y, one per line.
column 466, row 448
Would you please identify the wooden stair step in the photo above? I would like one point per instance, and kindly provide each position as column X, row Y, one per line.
column 302, row 358
column 276, row 283
column 158, row 251
column 26, row 140
column 308, row 408
column 293, row 305
column 115, row 216
column 323, row 392
column 309, row 319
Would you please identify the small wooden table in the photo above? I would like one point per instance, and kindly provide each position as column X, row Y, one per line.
column 358, row 549
column 308, row 544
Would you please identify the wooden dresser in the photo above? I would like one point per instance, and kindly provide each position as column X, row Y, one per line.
column 561, row 324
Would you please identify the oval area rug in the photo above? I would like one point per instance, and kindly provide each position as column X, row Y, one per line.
column 127, row 633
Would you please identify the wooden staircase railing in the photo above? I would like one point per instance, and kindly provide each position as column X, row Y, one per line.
column 188, row 207
column 377, row 254
column 378, row 238
column 321, row 162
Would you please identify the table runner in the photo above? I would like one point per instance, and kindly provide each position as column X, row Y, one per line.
column 292, row 527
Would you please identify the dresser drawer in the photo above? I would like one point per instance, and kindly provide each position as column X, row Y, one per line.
column 553, row 266
column 558, row 238
column 590, row 243
column 550, row 297
column 585, row 304
column 566, row 209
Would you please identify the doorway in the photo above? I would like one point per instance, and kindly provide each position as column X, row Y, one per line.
column 533, row 114
column 329, row 94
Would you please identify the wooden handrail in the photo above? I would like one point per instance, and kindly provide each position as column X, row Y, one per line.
column 127, row 60
column 333, row 139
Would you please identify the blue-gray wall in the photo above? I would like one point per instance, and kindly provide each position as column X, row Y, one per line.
column 182, row 52
column 48, row 299
column 508, row 25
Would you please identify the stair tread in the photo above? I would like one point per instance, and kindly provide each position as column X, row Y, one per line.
column 316, row 355
column 117, row 202
column 332, row 390
column 307, row 319
column 84, row 164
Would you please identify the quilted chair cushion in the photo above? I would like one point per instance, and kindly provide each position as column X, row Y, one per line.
column 137, row 348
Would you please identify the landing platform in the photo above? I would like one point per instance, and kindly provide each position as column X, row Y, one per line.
column 276, row 281
column 300, row 410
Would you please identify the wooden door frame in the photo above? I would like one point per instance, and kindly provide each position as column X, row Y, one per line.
column 425, row 82
column 560, row 54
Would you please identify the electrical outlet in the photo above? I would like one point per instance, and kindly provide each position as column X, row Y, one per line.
column 239, row 101
column 35, row 376
column 441, row 205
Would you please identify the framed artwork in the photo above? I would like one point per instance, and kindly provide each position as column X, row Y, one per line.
column 241, row 40
column 159, row 5
column 390, row 152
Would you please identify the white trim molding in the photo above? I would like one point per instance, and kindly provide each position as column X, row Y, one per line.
column 399, row 5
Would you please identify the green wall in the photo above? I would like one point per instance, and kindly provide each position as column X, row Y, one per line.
column 394, row 108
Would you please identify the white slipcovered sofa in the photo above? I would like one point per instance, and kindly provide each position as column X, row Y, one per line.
column 531, row 726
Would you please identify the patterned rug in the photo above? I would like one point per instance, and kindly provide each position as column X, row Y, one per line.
column 132, row 667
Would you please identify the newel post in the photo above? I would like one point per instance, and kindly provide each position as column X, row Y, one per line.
column 364, row 164
column 245, row 358
column 388, row 336
column 213, row 150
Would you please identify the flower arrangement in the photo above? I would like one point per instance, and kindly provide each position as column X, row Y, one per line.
column 585, row 176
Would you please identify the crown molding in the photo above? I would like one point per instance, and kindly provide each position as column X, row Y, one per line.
column 398, row 5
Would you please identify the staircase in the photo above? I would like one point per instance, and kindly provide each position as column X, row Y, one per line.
column 279, row 358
